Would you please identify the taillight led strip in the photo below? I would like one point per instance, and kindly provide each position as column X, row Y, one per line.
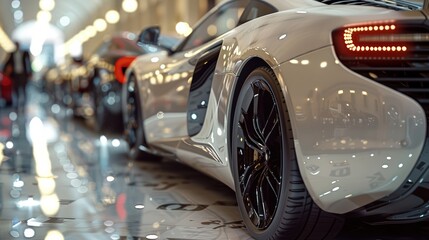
column 377, row 30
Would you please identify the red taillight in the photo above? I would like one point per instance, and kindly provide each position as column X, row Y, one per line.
column 375, row 40
column 121, row 65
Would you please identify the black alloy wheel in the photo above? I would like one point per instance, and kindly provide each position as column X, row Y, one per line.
column 102, row 116
column 131, row 120
column 271, row 195
column 133, row 128
column 105, row 119
column 259, row 154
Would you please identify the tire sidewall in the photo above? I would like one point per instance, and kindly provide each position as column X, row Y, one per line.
column 135, row 152
column 99, row 106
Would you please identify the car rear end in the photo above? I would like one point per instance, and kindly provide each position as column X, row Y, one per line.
column 356, row 88
column 396, row 55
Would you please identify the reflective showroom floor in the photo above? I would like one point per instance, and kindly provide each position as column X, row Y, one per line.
column 61, row 180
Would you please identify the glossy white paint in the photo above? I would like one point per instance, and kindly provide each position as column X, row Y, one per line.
column 356, row 140
column 346, row 164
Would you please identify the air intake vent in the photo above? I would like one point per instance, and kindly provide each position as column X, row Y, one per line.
column 394, row 5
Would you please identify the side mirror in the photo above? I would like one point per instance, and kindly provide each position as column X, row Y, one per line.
column 150, row 35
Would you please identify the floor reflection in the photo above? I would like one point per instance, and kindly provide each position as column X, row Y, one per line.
column 59, row 179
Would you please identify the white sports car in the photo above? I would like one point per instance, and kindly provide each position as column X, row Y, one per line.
column 313, row 111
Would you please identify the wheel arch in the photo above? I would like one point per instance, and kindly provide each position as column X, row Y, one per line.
column 125, row 96
column 242, row 74
column 138, row 101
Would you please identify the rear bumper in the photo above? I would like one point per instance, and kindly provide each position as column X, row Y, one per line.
column 356, row 140
column 409, row 203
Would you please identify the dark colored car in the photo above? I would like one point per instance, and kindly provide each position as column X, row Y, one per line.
column 104, row 76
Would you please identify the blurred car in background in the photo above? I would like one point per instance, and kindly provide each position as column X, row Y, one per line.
column 313, row 111
column 103, row 77
column 57, row 81
column 80, row 89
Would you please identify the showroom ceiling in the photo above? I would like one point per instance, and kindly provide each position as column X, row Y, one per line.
column 68, row 16
column 83, row 24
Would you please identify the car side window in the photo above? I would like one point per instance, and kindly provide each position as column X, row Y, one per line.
column 102, row 48
column 113, row 46
column 221, row 21
column 131, row 46
column 257, row 9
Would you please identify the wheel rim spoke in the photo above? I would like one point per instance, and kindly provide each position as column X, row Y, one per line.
column 274, row 121
column 251, row 139
column 273, row 182
column 257, row 95
column 249, row 176
column 263, row 208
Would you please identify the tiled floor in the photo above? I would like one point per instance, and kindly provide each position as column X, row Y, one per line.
column 61, row 180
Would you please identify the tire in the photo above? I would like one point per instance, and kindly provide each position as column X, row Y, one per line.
column 133, row 124
column 102, row 115
column 271, row 194
column 105, row 119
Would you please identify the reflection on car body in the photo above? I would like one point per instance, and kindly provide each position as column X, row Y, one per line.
column 312, row 111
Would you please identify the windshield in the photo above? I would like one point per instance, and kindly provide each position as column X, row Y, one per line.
column 390, row 4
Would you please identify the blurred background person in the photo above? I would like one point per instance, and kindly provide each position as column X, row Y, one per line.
column 18, row 68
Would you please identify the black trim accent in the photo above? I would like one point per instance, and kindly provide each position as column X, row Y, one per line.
column 200, row 90
column 390, row 209
column 399, row 5
column 256, row 9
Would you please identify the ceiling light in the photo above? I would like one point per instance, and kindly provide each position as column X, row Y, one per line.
column 100, row 24
column 5, row 42
column 81, row 36
column 129, row 5
column 44, row 16
column 64, row 21
column 17, row 15
column 112, row 16
column 183, row 28
column 74, row 48
column 47, row 5
column 90, row 31
column 15, row 4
